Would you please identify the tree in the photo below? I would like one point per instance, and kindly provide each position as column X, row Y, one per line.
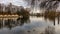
column 23, row 12
column 49, row 5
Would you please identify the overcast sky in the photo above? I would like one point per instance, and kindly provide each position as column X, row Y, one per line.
column 15, row 2
column 18, row 3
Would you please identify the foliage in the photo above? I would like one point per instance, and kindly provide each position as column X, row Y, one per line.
column 23, row 12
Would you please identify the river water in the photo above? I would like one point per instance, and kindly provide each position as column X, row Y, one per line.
column 31, row 25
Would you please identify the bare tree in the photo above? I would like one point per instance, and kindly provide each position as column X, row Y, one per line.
column 49, row 5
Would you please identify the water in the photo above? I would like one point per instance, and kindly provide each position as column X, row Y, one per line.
column 31, row 25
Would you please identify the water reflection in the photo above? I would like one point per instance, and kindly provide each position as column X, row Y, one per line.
column 23, row 20
column 29, row 25
column 50, row 30
column 54, row 19
column 10, row 23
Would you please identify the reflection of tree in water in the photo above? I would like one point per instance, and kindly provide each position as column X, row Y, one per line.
column 1, row 23
column 11, row 23
column 23, row 20
column 8, row 23
column 50, row 19
column 49, row 30
column 53, row 19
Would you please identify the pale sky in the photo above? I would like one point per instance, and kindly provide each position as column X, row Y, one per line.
column 15, row 2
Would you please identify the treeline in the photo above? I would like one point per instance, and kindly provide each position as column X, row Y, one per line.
column 13, row 10
column 23, row 12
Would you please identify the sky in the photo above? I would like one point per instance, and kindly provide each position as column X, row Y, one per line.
column 19, row 3
column 15, row 2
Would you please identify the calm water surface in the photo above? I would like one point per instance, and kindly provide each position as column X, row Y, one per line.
column 32, row 25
